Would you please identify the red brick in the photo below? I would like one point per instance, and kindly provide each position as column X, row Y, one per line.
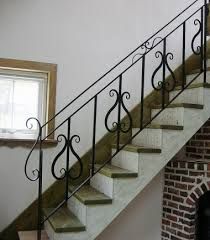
column 181, row 186
column 182, row 172
column 198, row 192
column 165, row 222
column 204, row 188
column 169, row 183
column 197, row 143
column 173, row 205
column 173, row 191
column 178, row 213
column 164, row 234
column 175, row 177
column 191, row 149
column 189, row 201
column 172, row 218
column 177, row 226
column 183, row 235
column 183, row 194
column 188, row 179
column 169, row 170
column 167, row 196
column 178, row 199
column 189, row 229
column 170, row 230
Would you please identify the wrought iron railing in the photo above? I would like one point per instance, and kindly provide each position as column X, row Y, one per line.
column 158, row 43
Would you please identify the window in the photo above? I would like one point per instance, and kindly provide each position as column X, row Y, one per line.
column 25, row 93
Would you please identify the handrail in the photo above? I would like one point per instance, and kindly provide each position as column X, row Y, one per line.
column 118, row 127
column 100, row 78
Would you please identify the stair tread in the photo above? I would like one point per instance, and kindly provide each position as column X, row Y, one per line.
column 195, row 85
column 184, row 105
column 115, row 172
column 138, row 149
column 89, row 195
column 64, row 221
column 32, row 235
column 198, row 70
column 164, row 126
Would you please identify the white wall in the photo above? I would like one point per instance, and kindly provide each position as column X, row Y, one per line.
column 142, row 218
column 85, row 38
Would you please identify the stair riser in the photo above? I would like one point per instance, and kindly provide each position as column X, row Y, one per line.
column 193, row 95
column 169, row 116
column 151, row 138
column 91, row 213
column 103, row 184
column 78, row 209
column 199, row 79
column 126, row 160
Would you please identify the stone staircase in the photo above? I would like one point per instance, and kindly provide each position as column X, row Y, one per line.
column 96, row 205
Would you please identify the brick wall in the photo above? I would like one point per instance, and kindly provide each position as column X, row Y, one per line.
column 185, row 182
column 199, row 145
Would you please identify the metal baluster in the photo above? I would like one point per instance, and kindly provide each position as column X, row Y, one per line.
column 39, row 216
column 142, row 92
column 94, row 135
column 119, row 112
column 183, row 56
column 202, row 39
column 67, row 159
column 164, row 73
column 205, row 38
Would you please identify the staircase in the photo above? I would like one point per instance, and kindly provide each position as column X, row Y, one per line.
column 91, row 206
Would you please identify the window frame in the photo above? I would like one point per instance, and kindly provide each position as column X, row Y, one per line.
column 47, row 68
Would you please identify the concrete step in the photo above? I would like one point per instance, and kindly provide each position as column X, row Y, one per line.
column 173, row 114
column 137, row 148
column 112, row 171
column 32, row 235
column 129, row 157
column 64, row 221
column 193, row 94
column 90, row 196
column 200, row 78
column 152, row 136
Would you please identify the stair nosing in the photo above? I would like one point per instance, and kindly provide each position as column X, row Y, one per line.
column 129, row 174
column 181, row 105
column 194, row 85
column 138, row 149
column 92, row 202
column 69, row 229
column 165, row 127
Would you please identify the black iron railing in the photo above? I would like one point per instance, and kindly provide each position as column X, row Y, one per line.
column 159, row 44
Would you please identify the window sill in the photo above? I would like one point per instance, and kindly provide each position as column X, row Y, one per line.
column 27, row 143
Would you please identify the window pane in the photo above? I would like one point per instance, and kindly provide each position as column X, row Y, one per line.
column 6, row 93
column 26, row 99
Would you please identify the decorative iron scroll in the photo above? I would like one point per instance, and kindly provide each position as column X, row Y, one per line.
column 118, row 126
column 164, row 63
column 68, row 144
column 35, row 172
column 146, row 47
column 196, row 51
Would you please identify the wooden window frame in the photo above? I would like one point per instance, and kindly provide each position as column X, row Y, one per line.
column 48, row 68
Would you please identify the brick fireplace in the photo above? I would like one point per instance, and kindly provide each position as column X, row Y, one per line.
column 187, row 178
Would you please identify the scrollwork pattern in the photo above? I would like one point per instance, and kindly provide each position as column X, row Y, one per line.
column 67, row 144
column 164, row 62
column 121, row 126
column 35, row 172
column 196, row 50
column 145, row 47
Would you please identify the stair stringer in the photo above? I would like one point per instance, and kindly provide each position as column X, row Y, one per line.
column 125, row 190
